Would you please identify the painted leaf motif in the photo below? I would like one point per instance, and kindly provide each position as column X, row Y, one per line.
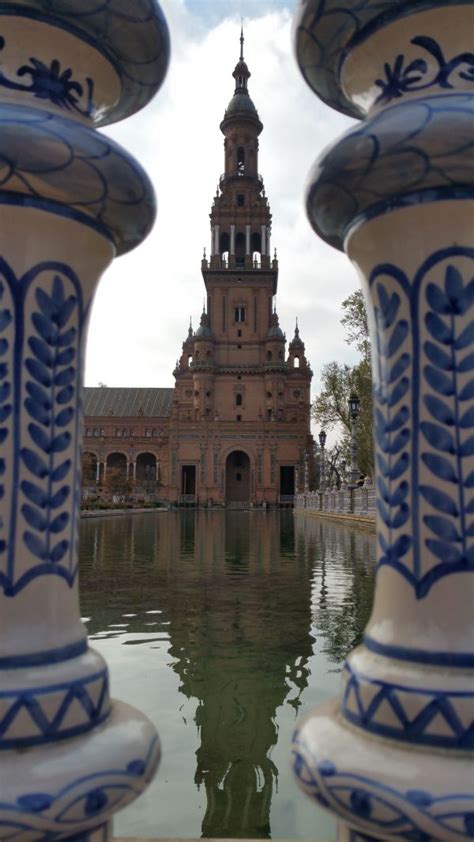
column 65, row 377
column 39, row 437
column 388, row 306
column 66, row 357
column 65, row 395
column 470, row 507
column 64, row 417
column 59, row 523
column 442, row 527
column 34, row 517
column 382, row 464
column 399, row 442
column 38, row 371
column 437, row 299
column 34, row 463
column 45, row 328
column 65, row 311
column 34, row 493
column 465, row 338
column 466, row 420
column 399, row 495
column 446, row 552
column 41, row 350
column 438, row 381
column 439, row 410
column 5, row 390
column 439, row 500
column 59, row 551
column 45, row 303
column 438, row 329
column 466, row 364
column 469, row 481
column 398, row 336
column 60, row 472
column 400, row 418
column 398, row 368
column 5, row 411
column 438, row 437
column 60, row 442
column 399, row 391
column 39, row 394
column 383, row 489
column 59, row 498
column 458, row 295
column 383, row 512
column 400, row 517
column 37, row 411
column 467, row 447
column 36, row 545
column 440, row 467
column 467, row 392
column 3, row 434
column 399, row 467
column 3, row 347
column 67, row 338
column 401, row 546
column 438, row 357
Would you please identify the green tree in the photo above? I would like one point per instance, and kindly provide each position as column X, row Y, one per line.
column 330, row 407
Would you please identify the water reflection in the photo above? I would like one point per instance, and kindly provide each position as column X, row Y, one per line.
column 238, row 600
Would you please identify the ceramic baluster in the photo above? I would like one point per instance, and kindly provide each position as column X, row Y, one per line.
column 392, row 757
column 70, row 201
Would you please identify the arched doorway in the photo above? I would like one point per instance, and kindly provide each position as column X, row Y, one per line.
column 237, row 477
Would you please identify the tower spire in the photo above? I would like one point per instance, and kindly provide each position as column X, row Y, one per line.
column 241, row 41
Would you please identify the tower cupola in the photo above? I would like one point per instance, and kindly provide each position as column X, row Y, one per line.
column 241, row 106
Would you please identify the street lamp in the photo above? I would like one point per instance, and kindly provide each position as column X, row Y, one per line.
column 322, row 442
column 353, row 404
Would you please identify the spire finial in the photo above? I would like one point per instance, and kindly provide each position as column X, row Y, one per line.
column 297, row 330
column 241, row 40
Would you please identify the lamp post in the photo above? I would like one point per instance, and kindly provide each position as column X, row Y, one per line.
column 306, row 471
column 322, row 443
column 353, row 404
column 343, row 472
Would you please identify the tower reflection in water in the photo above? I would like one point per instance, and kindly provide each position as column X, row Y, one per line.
column 237, row 596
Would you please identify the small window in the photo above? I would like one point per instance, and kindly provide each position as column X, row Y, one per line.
column 238, row 400
column 239, row 332
column 239, row 377
column 125, row 434
column 239, row 418
column 96, row 432
column 89, row 431
column 296, row 362
column 118, row 433
column 132, row 433
column 269, row 355
column 102, row 431
column 148, row 434
column 269, row 415
column 239, row 346
column 240, row 200
column 208, row 394
column 269, row 394
column 238, row 477
column 155, row 433
column 239, row 314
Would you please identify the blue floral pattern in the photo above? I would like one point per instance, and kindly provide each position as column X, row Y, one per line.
column 414, row 814
column 401, row 79
column 55, row 815
column 50, row 83
column 44, row 474
column 437, row 402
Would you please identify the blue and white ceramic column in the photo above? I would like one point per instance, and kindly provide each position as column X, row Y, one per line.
column 392, row 758
column 70, row 201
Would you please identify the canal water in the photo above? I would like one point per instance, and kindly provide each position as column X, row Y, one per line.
column 224, row 627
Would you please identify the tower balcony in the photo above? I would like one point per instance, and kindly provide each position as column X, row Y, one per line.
column 226, row 177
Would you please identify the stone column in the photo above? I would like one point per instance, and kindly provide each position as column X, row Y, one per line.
column 232, row 239
column 263, row 235
column 97, row 471
column 216, row 240
column 247, row 239
column 71, row 200
column 391, row 756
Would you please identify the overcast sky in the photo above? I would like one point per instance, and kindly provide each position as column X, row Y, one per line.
column 144, row 301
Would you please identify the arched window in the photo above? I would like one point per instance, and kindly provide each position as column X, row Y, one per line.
column 190, row 359
column 238, row 400
column 296, row 362
column 240, row 159
column 269, row 355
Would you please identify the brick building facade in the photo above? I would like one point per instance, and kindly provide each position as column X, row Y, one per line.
column 236, row 426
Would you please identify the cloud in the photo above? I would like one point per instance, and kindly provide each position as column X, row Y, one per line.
column 143, row 303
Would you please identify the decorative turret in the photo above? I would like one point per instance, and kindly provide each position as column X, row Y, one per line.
column 182, row 365
column 296, row 351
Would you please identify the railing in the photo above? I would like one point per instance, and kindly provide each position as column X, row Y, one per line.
column 240, row 174
column 187, row 499
column 351, row 501
column 287, row 499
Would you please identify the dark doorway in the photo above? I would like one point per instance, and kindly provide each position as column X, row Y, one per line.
column 188, row 482
column 287, row 480
column 237, row 477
